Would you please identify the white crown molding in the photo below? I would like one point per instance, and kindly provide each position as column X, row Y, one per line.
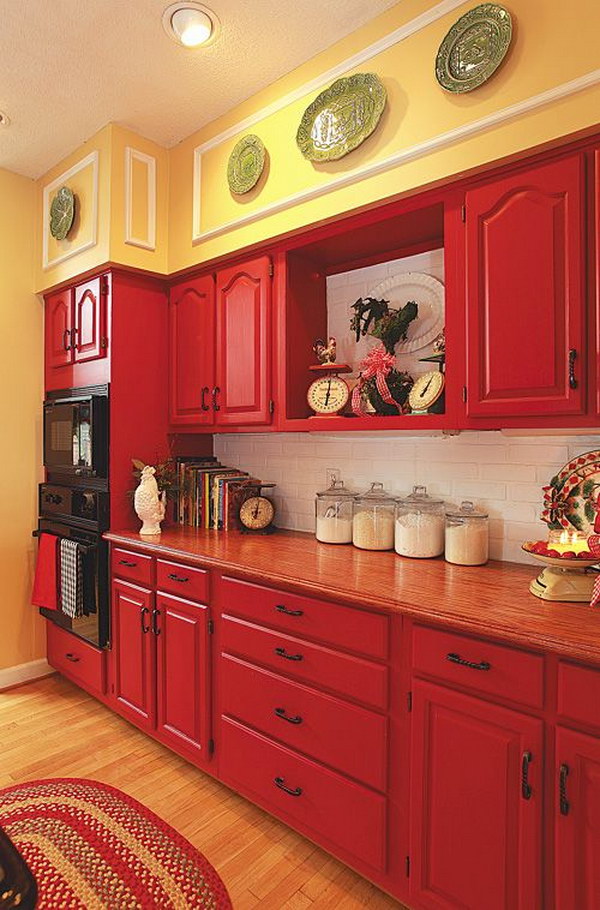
column 419, row 150
column 149, row 242
column 91, row 159
column 22, row 673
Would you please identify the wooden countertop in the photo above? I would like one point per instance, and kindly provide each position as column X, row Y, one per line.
column 491, row 600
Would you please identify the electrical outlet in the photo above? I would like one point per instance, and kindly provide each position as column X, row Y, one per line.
column 332, row 475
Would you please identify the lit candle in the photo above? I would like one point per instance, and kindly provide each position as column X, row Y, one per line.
column 569, row 542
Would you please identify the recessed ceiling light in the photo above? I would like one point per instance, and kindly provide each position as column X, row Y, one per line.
column 190, row 24
column 4, row 119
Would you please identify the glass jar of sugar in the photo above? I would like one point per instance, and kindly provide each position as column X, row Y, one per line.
column 333, row 511
column 467, row 536
column 419, row 530
column 373, row 519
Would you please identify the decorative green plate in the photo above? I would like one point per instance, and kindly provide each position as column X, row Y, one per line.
column 246, row 164
column 341, row 117
column 474, row 48
column 62, row 213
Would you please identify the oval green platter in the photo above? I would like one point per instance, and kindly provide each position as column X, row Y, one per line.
column 62, row 213
column 341, row 117
column 245, row 164
column 474, row 48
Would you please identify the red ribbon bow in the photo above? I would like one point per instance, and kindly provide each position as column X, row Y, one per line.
column 378, row 364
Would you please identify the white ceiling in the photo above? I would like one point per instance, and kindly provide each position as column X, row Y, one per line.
column 68, row 67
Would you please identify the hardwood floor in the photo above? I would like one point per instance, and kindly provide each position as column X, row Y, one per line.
column 51, row 728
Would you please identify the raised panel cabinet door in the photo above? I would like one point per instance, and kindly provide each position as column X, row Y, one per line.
column 134, row 653
column 192, row 352
column 90, row 340
column 526, row 352
column 183, row 673
column 577, row 821
column 58, row 325
column 244, row 343
column 476, row 804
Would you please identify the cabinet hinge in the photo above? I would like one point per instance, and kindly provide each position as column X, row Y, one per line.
column 211, row 626
column 104, row 285
column 464, row 394
column 104, row 343
column 463, row 213
column 271, row 406
column 409, row 702
column 211, row 746
column 271, row 269
column 407, row 866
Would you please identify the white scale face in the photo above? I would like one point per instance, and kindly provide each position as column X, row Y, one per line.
column 328, row 395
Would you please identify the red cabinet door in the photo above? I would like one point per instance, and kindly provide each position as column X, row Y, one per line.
column 577, row 814
column 526, row 293
column 597, row 277
column 475, row 830
column 192, row 352
column 183, row 673
column 90, row 341
column 244, row 343
column 134, row 654
column 58, row 325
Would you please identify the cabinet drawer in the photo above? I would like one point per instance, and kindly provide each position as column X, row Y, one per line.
column 579, row 693
column 184, row 581
column 350, row 739
column 323, row 802
column 77, row 659
column 493, row 669
column 343, row 627
column 352, row 676
column 132, row 566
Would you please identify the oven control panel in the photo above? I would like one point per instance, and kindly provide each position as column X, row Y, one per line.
column 88, row 507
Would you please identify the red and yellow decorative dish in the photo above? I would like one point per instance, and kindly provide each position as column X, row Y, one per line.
column 545, row 552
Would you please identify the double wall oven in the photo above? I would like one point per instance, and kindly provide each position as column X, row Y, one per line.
column 74, row 500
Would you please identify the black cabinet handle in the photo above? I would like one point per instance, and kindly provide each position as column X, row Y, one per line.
column 203, row 395
column 281, row 712
column 174, row 577
column 215, row 393
column 125, row 562
column 143, row 612
column 74, row 344
column 155, row 615
column 281, row 652
column 526, row 790
column 66, row 334
column 72, row 658
column 563, row 802
column 572, row 378
column 281, row 609
column 457, row 659
column 280, row 782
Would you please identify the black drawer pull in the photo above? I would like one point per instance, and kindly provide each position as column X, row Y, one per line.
column 526, row 790
column 155, row 615
column 572, row 378
column 457, row 659
column 562, row 790
column 281, row 609
column 174, row 577
column 280, row 782
column 281, row 712
column 143, row 612
column 204, row 393
column 72, row 658
column 125, row 562
column 281, row 652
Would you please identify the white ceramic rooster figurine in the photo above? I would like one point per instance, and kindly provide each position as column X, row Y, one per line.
column 149, row 505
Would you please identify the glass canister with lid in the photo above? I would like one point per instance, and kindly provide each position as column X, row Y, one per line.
column 467, row 535
column 419, row 530
column 333, row 508
column 373, row 519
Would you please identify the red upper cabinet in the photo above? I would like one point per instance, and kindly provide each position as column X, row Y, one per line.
column 244, row 343
column 192, row 351
column 58, row 329
column 89, row 333
column 526, row 293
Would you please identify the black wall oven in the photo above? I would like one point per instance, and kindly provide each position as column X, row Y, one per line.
column 76, row 435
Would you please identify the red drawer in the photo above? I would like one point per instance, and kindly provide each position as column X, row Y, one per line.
column 77, row 659
column 131, row 566
column 183, row 581
column 579, row 693
column 343, row 627
column 328, row 805
column 350, row 739
column 480, row 665
column 352, row 676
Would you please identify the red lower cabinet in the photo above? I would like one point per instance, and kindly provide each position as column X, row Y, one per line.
column 476, row 804
column 133, row 657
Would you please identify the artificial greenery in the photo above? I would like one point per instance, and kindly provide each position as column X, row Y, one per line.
column 165, row 475
column 376, row 317
column 399, row 384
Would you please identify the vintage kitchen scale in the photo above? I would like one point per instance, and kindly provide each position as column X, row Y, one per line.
column 328, row 393
column 257, row 511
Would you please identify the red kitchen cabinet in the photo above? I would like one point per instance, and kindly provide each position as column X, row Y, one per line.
column 89, row 341
column 76, row 334
column 58, row 328
column 577, row 825
column 133, row 656
column 525, row 250
column 192, row 352
column 476, row 804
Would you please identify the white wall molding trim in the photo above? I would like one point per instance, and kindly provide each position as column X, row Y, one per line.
column 402, row 156
column 148, row 242
column 22, row 673
column 91, row 159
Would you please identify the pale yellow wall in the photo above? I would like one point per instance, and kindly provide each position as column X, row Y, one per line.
column 21, row 388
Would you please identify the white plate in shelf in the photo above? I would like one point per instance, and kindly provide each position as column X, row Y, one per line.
column 428, row 293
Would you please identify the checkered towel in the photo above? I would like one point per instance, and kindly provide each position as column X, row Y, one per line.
column 71, row 578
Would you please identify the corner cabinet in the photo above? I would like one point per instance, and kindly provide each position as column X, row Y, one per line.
column 221, row 348
column 76, row 322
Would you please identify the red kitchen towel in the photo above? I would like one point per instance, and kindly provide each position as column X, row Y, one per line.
column 45, row 584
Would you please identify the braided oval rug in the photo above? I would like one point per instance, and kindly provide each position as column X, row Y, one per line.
column 92, row 847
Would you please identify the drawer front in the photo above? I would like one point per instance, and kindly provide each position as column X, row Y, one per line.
column 77, row 659
column 480, row 665
column 351, row 676
column 183, row 581
column 327, row 804
column 579, row 693
column 132, row 566
column 343, row 627
column 350, row 739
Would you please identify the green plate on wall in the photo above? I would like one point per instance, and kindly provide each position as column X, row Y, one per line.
column 246, row 164
column 474, row 48
column 341, row 117
column 62, row 213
